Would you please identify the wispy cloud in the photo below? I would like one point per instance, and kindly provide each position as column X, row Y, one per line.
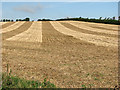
column 29, row 8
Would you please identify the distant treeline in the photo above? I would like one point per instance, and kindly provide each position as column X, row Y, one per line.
column 45, row 20
column 26, row 19
column 100, row 20
column 8, row 20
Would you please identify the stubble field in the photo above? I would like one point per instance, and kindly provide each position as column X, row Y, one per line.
column 71, row 54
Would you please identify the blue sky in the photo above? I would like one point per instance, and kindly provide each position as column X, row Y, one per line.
column 55, row 10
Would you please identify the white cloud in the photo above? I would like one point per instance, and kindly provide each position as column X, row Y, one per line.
column 28, row 8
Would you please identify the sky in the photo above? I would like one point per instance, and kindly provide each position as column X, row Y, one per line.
column 60, row 0
column 56, row 10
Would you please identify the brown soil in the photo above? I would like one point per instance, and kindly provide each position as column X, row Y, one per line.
column 87, row 31
column 66, row 61
column 21, row 29
column 102, row 28
column 7, row 24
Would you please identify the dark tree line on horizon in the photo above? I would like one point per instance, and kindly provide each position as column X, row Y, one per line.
column 100, row 20
column 26, row 19
column 8, row 20
column 45, row 20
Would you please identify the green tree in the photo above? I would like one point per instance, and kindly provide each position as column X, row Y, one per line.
column 39, row 20
column 119, row 18
column 11, row 20
column 113, row 18
column 17, row 20
column 4, row 20
column 27, row 19
column 100, row 18
column 108, row 18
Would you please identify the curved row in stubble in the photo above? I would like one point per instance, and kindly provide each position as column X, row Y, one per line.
column 6, row 24
column 12, row 27
column 83, row 26
column 101, row 25
column 98, row 40
column 64, row 58
column 78, row 29
column 95, row 39
column 66, row 49
column 16, row 31
column 2, row 23
column 33, row 34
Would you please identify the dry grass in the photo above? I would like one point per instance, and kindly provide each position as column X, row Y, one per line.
column 83, row 26
column 78, row 29
column 64, row 60
column 16, row 31
column 97, row 40
column 33, row 34
column 1, row 23
column 106, row 26
column 6, row 24
column 12, row 27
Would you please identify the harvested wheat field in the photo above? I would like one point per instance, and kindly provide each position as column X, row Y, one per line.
column 71, row 54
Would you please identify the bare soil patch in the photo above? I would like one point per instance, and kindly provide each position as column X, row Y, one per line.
column 66, row 61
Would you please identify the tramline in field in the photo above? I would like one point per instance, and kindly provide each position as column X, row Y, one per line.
column 98, row 40
column 83, row 26
column 12, row 27
column 34, row 33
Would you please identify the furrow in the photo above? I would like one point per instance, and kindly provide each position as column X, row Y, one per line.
column 12, row 27
column 97, row 40
column 101, row 25
column 33, row 34
column 75, row 28
column 16, row 31
column 7, row 24
column 81, row 26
